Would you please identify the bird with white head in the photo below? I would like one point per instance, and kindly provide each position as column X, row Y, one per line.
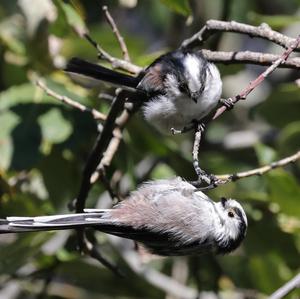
column 169, row 217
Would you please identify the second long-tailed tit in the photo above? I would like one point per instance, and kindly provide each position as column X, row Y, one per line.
column 170, row 217
column 181, row 87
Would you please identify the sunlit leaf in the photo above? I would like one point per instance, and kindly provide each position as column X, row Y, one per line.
column 42, row 10
column 289, row 138
column 265, row 154
column 73, row 17
column 178, row 6
column 274, row 21
column 7, row 122
column 11, row 31
column 55, row 129
column 285, row 191
column 282, row 106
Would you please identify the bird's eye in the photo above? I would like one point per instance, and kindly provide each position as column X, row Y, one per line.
column 230, row 214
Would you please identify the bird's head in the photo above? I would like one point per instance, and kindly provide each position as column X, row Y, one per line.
column 233, row 224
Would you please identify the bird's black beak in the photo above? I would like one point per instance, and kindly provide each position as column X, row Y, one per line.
column 223, row 201
column 194, row 96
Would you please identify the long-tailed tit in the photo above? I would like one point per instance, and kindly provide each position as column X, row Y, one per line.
column 181, row 87
column 170, row 217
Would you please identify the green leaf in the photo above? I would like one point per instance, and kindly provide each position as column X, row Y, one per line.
column 7, row 122
column 179, row 6
column 274, row 21
column 264, row 272
column 62, row 187
column 265, row 154
column 284, row 190
column 10, row 31
column 162, row 171
column 26, row 138
column 282, row 106
column 42, row 10
column 289, row 138
column 15, row 255
column 55, row 129
column 73, row 18
column 24, row 93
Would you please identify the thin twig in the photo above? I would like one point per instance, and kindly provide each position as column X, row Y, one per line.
column 222, row 179
column 116, row 63
column 115, row 141
column 91, row 250
column 200, row 173
column 100, row 146
column 155, row 278
column 253, row 84
column 66, row 100
column 243, row 57
column 225, row 178
column 243, row 95
column 47, row 282
column 101, row 174
column 287, row 288
column 262, row 31
column 117, row 33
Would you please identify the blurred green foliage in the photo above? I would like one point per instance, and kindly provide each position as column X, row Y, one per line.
column 44, row 145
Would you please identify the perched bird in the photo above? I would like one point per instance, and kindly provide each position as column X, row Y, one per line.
column 180, row 87
column 169, row 217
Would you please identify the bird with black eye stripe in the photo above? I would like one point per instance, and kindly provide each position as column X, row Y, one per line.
column 169, row 217
column 180, row 87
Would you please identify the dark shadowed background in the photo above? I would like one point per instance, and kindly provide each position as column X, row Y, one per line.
column 44, row 145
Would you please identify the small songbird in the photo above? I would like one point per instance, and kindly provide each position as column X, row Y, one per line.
column 180, row 87
column 169, row 217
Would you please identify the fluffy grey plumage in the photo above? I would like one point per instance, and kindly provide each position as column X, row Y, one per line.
column 168, row 216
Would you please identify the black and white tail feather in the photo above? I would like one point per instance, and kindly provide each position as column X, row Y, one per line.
column 56, row 222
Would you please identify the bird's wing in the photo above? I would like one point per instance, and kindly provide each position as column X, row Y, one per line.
column 168, row 207
column 152, row 81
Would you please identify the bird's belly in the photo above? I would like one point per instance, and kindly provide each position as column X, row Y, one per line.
column 194, row 111
column 165, row 113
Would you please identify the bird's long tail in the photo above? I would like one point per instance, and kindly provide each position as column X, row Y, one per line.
column 98, row 72
column 56, row 222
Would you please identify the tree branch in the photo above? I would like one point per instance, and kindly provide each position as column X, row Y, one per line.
column 253, row 84
column 226, row 178
column 66, row 100
column 262, row 31
column 287, row 288
column 261, row 170
column 155, row 278
column 202, row 176
column 241, row 96
column 114, row 143
column 243, row 57
column 91, row 250
column 116, row 63
column 117, row 33
column 100, row 146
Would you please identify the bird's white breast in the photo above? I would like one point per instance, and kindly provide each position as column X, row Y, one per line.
column 177, row 110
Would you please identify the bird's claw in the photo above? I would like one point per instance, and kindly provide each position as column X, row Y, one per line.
column 228, row 103
column 175, row 131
